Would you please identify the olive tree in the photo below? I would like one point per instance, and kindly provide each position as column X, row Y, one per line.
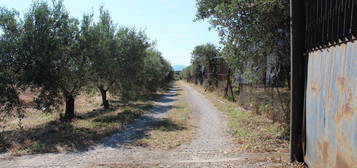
column 54, row 61
column 132, row 45
column 10, row 72
column 157, row 71
column 103, row 51
column 58, row 55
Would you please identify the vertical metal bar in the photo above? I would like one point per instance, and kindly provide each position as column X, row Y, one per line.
column 323, row 23
column 297, row 27
column 307, row 26
column 333, row 21
column 313, row 23
column 331, row 24
column 309, row 23
column 322, row 11
column 337, row 37
column 350, row 18
column 354, row 19
column 318, row 22
column 345, row 19
column 342, row 20
column 327, row 21
column 329, row 28
column 338, row 25
column 321, row 6
column 335, row 18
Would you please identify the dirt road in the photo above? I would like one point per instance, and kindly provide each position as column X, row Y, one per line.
column 211, row 146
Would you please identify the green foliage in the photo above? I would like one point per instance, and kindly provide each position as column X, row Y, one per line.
column 201, row 60
column 186, row 73
column 9, row 41
column 116, row 56
column 203, row 54
column 9, row 73
column 133, row 45
column 253, row 33
column 59, row 56
column 98, row 43
column 255, row 39
column 53, row 61
column 157, row 71
column 105, row 57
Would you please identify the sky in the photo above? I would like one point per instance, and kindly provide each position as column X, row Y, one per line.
column 168, row 22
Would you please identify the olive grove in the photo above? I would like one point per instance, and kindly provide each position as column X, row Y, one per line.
column 48, row 50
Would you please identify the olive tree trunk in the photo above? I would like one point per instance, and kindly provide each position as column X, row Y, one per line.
column 105, row 101
column 69, row 113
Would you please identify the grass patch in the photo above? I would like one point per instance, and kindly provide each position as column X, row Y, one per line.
column 44, row 133
column 173, row 131
column 253, row 133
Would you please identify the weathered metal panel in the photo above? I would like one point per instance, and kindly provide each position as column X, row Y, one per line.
column 331, row 107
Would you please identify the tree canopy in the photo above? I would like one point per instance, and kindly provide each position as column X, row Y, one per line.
column 10, row 29
column 253, row 33
column 58, row 55
column 53, row 61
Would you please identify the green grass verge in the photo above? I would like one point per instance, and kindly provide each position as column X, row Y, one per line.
column 253, row 133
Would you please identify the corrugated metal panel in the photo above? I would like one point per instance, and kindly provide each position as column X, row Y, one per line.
column 331, row 107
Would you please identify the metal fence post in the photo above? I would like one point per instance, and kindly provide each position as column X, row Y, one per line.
column 297, row 38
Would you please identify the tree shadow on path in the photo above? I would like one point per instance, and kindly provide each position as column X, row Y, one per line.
column 149, row 121
column 56, row 136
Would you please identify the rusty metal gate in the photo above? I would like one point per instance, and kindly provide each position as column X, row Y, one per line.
column 331, row 83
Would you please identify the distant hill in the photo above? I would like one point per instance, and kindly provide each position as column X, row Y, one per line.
column 179, row 67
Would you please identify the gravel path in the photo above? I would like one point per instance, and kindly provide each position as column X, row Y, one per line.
column 211, row 147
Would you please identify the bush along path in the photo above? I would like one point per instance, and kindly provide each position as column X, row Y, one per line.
column 211, row 145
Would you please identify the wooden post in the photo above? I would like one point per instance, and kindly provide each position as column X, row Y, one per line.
column 297, row 39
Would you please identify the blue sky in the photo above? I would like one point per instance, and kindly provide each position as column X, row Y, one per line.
column 169, row 22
